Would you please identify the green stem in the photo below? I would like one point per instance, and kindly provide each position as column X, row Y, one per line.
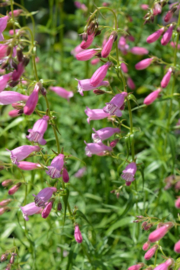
column 131, row 129
column 12, row 15
column 61, row 34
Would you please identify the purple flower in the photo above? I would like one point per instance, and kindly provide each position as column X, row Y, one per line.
column 28, row 166
column 86, row 54
column 78, row 235
column 29, row 210
column 9, row 97
column 3, row 81
column 152, row 97
column 103, row 134
column 65, row 175
column 86, row 43
column 3, row 50
column 45, row 213
column 95, row 114
column 148, row 255
column 166, row 78
column 43, row 196
column 159, row 233
column 143, row 64
column 80, row 172
column 153, row 37
column 62, row 92
column 85, row 85
column 96, row 148
column 99, row 74
column 129, row 172
column 108, row 46
column 76, row 50
column 139, row 50
column 124, row 67
column 22, row 152
column 38, row 130
column 54, row 170
column 32, row 100
column 167, row 36
column 113, row 107
column 17, row 73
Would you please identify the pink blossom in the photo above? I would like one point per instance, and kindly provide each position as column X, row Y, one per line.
column 177, row 203
column 136, row 266
column 177, row 247
column 5, row 202
column 76, row 50
column 9, row 97
column 104, row 133
column 96, row 148
column 99, row 74
column 113, row 143
column 22, row 152
column 153, row 37
column 166, row 78
column 173, row 44
column 17, row 73
column 62, row 92
column 152, row 97
column 85, row 44
column 43, row 196
column 130, row 83
column 38, row 130
column 122, row 45
column 167, row 36
column 165, row 265
column 143, row 64
column 95, row 61
column 15, row 113
column 80, row 5
column 159, row 233
column 3, row 80
column 129, row 172
column 65, row 175
column 29, row 210
column 54, row 170
column 157, row 9
column 86, row 54
column 95, row 114
column 80, row 172
column 108, row 46
column 113, row 107
column 144, row 6
column 7, row 183
column 78, row 235
column 12, row 32
column 168, row 16
column 124, row 67
column 150, row 252
column 14, row 189
column 28, row 166
column 3, row 50
column 3, row 23
column 85, row 85
column 32, row 100
column 139, row 50
column 146, row 246
column 16, row 12
column 45, row 213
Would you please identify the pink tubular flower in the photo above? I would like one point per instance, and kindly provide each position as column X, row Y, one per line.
column 108, row 46
column 29, row 210
column 113, row 143
column 32, row 100
column 22, row 152
column 78, row 235
column 146, row 246
column 62, row 92
column 165, row 265
column 12, row 32
column 95, row 61
column 80, row 172
column 144, row 6
column 136, row 266
column 3, row 23
column 113, row 107
column 143, row 64
column 157, row 9
column 148, row 255
column 9, row 97
column 159, row 233
column 85, row 85
column 152, row 97
column 122, row 45
column 14, row 189
column 3, row 50
column 96, row 148
column 16, row 12
column 43, row 196
column 173, row 44
column 139, row 50
column 86, row 54
column 177, row 203
column 80, row 5
column 45, row 213
column 17, row 73
column 168, row 16
column 38, row 130
column 103, row 134
column 153, row 37
column 5, row 202
column 99, row 74
column 167, row 36
column 15, row 113
column 124, row 67
column 28, row 166
column 7, row 183
column 129, row 172
column 95, row 114
column 76, row 50
column 65, row 175
column 166, row 78
column 85, row 44
column 130, row 83
column 54, row 170
column 3, row 80
column 177, row 247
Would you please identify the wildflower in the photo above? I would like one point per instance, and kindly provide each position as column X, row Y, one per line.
column 157, row 9
column 168, row 16
column 113, row 107
column 136, row 266
column 76, row 50
column 3, row 50
column 95, row 114
column 173, row 44
column 15, row 113
column 16, row 12
column 5, row 202
column 38, row 130
column 159, row 233
column 29, row 210
column 129, row 172
column 146, row 246
column 17, row 73
column 144, row 6
column 152, row 97
column 99, row 74
column 78, row 235
column 124, row 67
column 167, row 36
column 14, row 189
column 150, row 252
column 177, row 203
column 43, row 196
column 177, row 247
column 3, row 23
column 143, row 64
column 165, row 265
column 153, row 37
column 130, row 83
column 54, row 170
column 28, row 166
column 65, row 175
column 113, row 143
column 122, row 45
column 103, row 134
column 62, row 92
column 86, row 54
column 96, row 148
column 32, row 100
column 45, row 213
column 7, row 183
column 3, row 80
column 166, row 78
column 86, row 43
column 22, row 152
column 95, row 61
column 80, row 172
column 9, row 97
column 139, row 50
column 108, row 45
column 85, row 85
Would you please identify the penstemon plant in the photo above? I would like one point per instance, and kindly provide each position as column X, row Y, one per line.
column 131, row 169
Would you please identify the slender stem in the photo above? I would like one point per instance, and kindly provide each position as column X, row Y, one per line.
column 61, row 34
column 131, row 129
column 155, row 259
column 12, row 15
column 35, row 69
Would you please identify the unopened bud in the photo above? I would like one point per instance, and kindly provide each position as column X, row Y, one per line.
column 43, row 91
column 12, row 260
column 14, row 189
column 91, row 27
column 113, row 143
column 19, row 54
column 8, row 267
column 178, row 29
column 98, row 32
column 3, row 257
column 25, row 61
column 98, row 92
column 5, row 202
column 13, row 83
column 4, row 65
column 1, row 167
column 114, row 34
column 3, row 210
column 7, row 183
column 65, row 175
column 59, row 206
column 14, row 64
column 9, row 50
column 84, row 36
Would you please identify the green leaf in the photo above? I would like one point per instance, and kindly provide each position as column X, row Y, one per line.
column 80, row 214
column 65, row 199
column 172, row 143
column 12, row 124
column 120, row 223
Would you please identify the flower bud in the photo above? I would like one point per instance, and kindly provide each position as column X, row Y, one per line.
column 25, row 60
column 144, row 64
column 150, row 252
column 7, row 183
column 78, row 235
column 177, row 247
column 43, row 91
column 5, row 202
column 168, row 16
column 15, row 113
column 65, row 175
column 45, row 213
column 167, row 36
column 136, row 266
column 13, row 83
column 4, row 257
column 99, row 91
column 12, row 259
column 159, row 233
column 3, row 210
column 152, row 97
column 14, row 189
column 166, row 78
column 146, row 246
column 113, row 143
column 177, row 203
column 19, row 54
column 59, row 206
